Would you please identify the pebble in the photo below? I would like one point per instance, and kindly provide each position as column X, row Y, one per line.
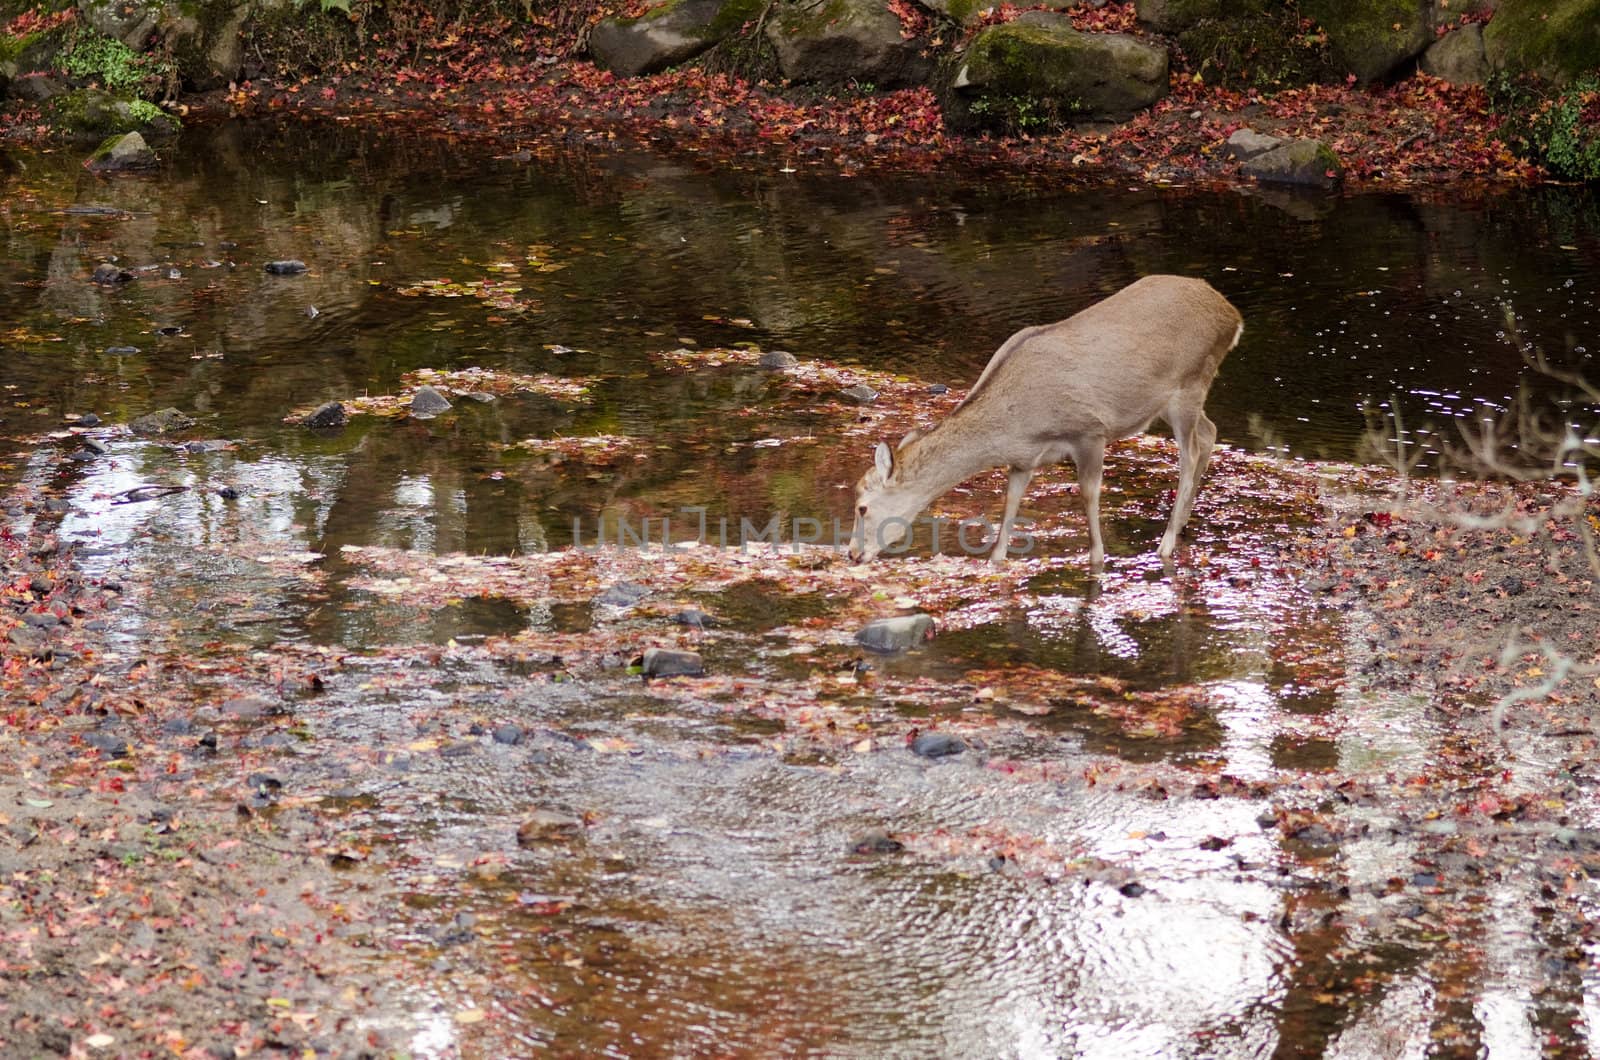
column 896, row 634
column 937, row 745
column 286, row 267
column 875, row 843
column 664, row 662
column 548, row 826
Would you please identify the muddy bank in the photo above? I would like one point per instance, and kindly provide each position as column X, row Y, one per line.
column 521, row 82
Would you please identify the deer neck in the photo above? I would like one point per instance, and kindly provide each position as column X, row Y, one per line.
column 944, row 457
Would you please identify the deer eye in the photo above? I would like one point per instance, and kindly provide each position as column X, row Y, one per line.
column 861, row 510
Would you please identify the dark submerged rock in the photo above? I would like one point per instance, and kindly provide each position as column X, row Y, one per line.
column 286, row 267
column 107, row 275
column 694, row 618
column 622, row 594
column 875, row 843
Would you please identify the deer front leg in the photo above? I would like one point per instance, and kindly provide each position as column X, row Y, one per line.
column 1016, row 484
column 1090, row 463
column 1196, row 436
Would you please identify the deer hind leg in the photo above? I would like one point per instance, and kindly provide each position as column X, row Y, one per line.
column 1196, row 435
column 1016, row 484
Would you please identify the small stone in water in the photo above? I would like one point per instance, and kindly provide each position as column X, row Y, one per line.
column 1132, row 890
column 622, row 594
column 896, row 634
column 122, row 351
column 326, row 416
column 161, row 421
column 287, row 267
column 938, row 388
column 694, row 617
column 861, row 394
column 548, row 826
column 876, row 843
column 429, row 402
column 510, row 735
column 663, row 662
column 937, row 745
column 777, row 360
column 88, row 419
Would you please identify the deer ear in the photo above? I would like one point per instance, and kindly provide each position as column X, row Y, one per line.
column 883, row 457
column 916, row 432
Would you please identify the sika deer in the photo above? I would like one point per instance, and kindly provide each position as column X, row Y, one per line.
column 1066, row 390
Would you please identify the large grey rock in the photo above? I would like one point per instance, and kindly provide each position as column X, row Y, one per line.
column 896, row 634
column 38, row 87
column 840, row 41
column 1373, row 39
column 1458, row 57
column 668, row 33
column 1310, row 163
column 120, row 154
column 1079, row 75
column 1559, row 40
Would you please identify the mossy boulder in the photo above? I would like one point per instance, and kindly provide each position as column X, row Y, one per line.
column 207, row 41
column 1557, row 40
column 121, row 154
column 1373, row 39
column 669, row 33
column 836, row 42
column 91, row 113
column 1307, row 163
column 1042, row 66
column 1458, row 56
column 1244, row 43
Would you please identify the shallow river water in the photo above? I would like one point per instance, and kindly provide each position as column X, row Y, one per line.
column 717, row 905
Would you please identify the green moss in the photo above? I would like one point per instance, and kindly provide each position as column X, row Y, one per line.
column 1258, row 44
column 1558, row 40
column 1012, row 59
column 115, row 66
column 12, row 47
column 811, row 20
column 733, row 14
